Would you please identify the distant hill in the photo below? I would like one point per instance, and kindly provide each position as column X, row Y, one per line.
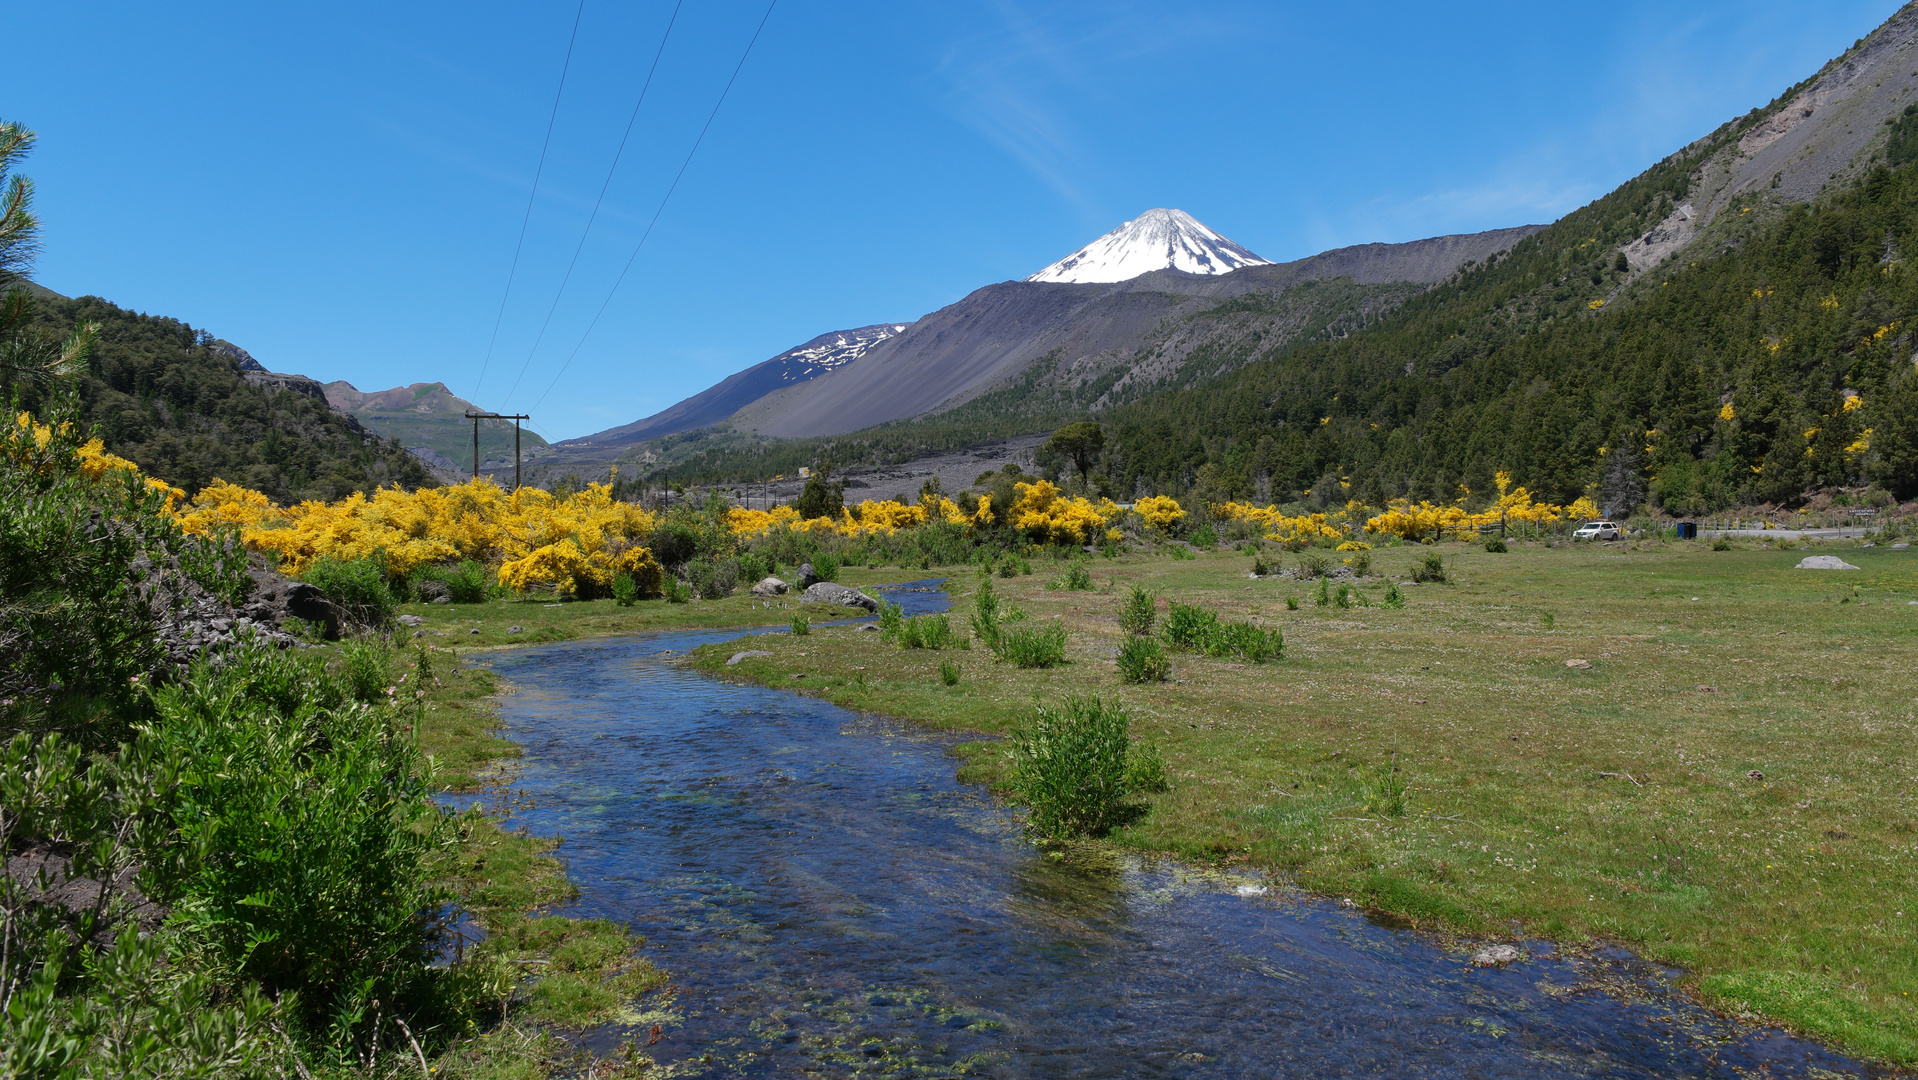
column 990, row 338
column 430, row 420
column 163, row 395
column 817, row 357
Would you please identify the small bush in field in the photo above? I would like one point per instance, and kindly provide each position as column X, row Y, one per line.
column 801, row 625
column 925, row 632
column 677, row 592
column 1323, row 597
column 1141, row 660
column 1721, row 544
column 890, row 616
column 1360, row 562
column 467, row 582
column 1035, row 647
column 949, row 673
column 825, row 566
column 1077, row 579
column 985, row 617
column 1180, row 552
column 1245, row 641
column 1073, row 767
column 625, row 589
column 1188, row 626
column 1145, row 768
column 369, row 668
column 1430, row 569
column 1206, row 536
column 1495, row 545
column 1139, row 612
column 358, row 586
column 754, row 567
column 1394, row 597
column 1291, row 603
column 1313, row 565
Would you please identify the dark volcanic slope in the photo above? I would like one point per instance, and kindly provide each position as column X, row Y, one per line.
column 708, row 407
column 965, row 349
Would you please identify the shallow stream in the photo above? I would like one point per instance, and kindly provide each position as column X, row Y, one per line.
column 830, row 901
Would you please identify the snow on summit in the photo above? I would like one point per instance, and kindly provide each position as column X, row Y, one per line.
column 1155, row 240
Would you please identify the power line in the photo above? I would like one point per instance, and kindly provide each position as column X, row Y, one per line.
column 594, row 216
column 537, row 172
column 662, row 205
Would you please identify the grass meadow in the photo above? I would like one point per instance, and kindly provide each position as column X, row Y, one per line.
column 1723, row 781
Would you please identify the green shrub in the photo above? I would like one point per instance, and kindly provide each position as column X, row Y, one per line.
column 1261, row 568
column 714, row 579
column 754, row 567
column 1145, row 768
column 1141, row 660
column 1314, row 565
column 357, row 586
column 825, row 566
column 677, row 592
column 1495, row 544
column 1322, row 596
column 949, row 673
column 1077, row 579
column 1394, row 597
column 985, row 614
column 1291, row 603
column 1035, row 647
column 1070, row 768
column 1180, row 552
column 890, row 616
column 1430, row 569
column 625, row 589
column 1360, row 562
column 1245, row 641
column 467, row 582
column 1205, row 536
column 1139, row 612
column 325, row 822
column 1188, row 626
column 925, row 632
column 367, row 663
column 1721, row 543
column 1385, row 791
column 801, row 625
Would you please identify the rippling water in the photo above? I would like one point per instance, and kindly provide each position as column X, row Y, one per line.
column 831, row 902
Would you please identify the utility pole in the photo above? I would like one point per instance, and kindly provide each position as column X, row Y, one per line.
column 476, row 417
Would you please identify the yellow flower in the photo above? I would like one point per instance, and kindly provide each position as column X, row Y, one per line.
column 1726, row 412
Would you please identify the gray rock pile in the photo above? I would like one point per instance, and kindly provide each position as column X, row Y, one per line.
column 829, row 592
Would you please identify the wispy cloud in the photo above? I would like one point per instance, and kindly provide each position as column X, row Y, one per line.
column 1022, row 81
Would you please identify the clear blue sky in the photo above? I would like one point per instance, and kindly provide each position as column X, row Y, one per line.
column 338, row 188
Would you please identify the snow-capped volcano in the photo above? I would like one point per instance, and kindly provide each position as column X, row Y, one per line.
column 1155, row 240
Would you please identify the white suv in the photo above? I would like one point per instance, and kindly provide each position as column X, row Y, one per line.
column 1598, row 530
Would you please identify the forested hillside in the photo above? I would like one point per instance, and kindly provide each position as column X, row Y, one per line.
column 158, row 396
column 1772, row 357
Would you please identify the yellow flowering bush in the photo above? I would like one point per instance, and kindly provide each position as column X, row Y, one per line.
column 1514, row 506
column 95, row 463
column 1159, row 511
column 1044, row 514
column 1305, row 528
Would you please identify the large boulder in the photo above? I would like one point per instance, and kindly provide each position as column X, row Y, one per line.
column 771, row 586
column 1824, row 562
column 303, row 601
column 830, row 592
column 805, row 577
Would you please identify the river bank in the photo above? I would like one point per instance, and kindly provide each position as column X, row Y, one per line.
column 1717, row 785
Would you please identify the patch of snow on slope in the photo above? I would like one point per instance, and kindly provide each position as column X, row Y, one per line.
column 817, row 356
column 1155, row 240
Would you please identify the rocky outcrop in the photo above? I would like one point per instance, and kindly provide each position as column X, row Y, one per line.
column 831, row 592
column 771, row 586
